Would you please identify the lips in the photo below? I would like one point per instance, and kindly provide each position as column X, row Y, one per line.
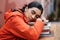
column 33, row 20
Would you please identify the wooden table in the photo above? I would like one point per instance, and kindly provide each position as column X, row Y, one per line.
column 55, row 28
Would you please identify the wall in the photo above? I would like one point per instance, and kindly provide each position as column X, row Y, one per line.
column 2, row 10
column 16, row 3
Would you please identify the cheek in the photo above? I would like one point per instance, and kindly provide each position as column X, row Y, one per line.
column 32, row 16
column 29, row 14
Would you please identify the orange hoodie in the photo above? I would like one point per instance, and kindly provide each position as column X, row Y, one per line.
column 16, row 27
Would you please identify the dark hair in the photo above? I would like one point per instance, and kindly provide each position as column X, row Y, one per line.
column 33, row 4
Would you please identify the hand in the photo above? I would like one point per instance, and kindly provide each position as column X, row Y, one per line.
column 39, row 19
column 44, row 19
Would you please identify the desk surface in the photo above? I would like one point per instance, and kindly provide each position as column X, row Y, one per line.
column 55, row 28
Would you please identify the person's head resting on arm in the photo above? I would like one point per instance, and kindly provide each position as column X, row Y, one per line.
column 32, row 11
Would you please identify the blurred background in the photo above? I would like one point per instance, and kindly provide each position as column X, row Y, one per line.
column 51, row 8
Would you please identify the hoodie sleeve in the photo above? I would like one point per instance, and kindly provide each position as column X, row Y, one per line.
column 21, row 28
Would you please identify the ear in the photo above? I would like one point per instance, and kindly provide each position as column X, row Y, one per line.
column 26, row 8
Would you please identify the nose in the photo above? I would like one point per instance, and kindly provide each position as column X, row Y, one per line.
column 33, row 16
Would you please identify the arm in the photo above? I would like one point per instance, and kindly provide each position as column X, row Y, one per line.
column 24, row 29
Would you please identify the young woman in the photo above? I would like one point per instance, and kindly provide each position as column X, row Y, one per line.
column 16, row 26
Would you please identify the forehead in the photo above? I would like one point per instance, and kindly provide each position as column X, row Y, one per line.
column 35, row 9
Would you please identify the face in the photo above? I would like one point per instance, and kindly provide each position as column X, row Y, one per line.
column 32, row 13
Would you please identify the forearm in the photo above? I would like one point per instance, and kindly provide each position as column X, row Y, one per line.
column 29, row 32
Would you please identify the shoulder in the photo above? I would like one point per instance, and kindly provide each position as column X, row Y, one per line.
column 12, row 15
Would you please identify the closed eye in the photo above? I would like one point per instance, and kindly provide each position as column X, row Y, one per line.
column 37, row 16
column 33, row 12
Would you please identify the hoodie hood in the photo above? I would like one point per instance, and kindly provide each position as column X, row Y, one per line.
column 9, row 13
